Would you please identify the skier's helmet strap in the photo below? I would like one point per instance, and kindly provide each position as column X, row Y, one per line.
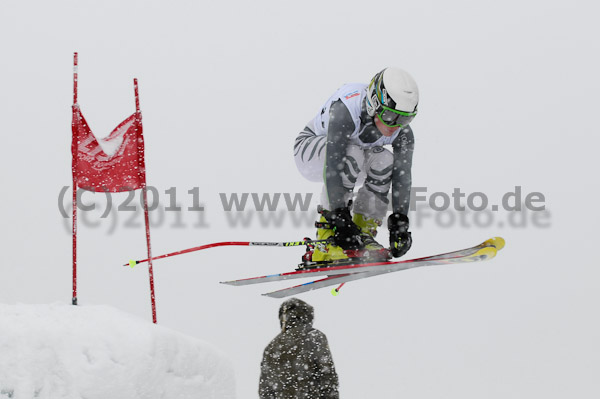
column 392, row 89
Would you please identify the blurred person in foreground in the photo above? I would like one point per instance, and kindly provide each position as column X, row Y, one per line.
column 297, row 363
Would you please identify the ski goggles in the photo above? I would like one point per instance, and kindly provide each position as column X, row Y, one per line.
column 394, row 118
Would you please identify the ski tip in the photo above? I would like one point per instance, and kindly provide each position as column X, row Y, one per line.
column 497, row 242
column 485, row 253
column 132, row 263
column 275, row 294
column 236, row 283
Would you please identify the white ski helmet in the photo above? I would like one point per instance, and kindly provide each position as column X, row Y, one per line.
column 393, row 96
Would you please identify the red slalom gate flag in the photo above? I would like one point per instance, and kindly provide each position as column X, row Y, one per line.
column 112, row 164
column 97, row 168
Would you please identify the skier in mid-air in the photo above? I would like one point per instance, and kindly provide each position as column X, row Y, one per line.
column 343, row 147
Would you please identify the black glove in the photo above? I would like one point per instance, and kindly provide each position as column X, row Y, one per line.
column 346, row 233
column 400, row 237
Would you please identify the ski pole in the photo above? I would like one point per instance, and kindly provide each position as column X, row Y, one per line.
column 132, row 262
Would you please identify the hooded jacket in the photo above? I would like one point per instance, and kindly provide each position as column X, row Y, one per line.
column 297, row 363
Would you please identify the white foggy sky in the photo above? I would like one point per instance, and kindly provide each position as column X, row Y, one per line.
column 508, row 98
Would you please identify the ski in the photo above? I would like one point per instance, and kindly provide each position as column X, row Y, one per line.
column 483, row 254
column 325, row 282
column 341, row 274
column 450, row 257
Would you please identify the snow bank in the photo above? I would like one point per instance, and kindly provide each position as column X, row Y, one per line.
column 61, row 351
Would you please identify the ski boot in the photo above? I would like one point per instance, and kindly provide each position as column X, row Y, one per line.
column 323, row 252
column 326, row 252
column 373, row 250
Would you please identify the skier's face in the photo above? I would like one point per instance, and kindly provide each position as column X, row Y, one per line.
column 385, row 130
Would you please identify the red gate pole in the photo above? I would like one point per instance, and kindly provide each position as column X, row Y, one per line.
column 150, row 269
column 74, row 171
column 145, row 196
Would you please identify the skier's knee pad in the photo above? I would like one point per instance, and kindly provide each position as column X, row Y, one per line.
column 379, row 162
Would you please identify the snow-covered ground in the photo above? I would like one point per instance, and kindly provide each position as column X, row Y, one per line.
column 60, row 351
